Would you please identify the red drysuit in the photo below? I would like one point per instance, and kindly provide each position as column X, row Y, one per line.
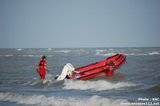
column 42, row 69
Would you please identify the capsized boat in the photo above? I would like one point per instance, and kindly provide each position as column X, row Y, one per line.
column 104, row 67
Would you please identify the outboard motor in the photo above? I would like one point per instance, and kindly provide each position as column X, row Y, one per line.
column 67, row 71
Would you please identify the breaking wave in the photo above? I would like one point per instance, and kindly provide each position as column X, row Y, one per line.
column 111, row 52
column 42, row 100
column 29, row 55
column 19, row 49
column 144, row 54
column 7, row 55
column 136, row 54
column 25, row 55
column 62, row 51
column 154, row 53
column 100, row 52
column 49, row 49
column 95, row 85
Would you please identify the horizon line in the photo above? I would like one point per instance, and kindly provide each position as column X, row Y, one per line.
column 75, row 47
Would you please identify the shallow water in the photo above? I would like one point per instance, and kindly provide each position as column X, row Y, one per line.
column 20, row 85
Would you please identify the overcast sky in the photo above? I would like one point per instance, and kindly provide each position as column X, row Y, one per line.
column 79, row 23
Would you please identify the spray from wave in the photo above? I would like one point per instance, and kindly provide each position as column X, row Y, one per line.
column 42, row 100
column 95, row 85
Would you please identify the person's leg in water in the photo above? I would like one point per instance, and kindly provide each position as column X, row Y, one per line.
column 42, row 74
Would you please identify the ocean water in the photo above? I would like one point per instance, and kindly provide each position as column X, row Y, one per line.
column 136, row 81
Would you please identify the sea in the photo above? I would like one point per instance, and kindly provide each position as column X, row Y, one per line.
column 136, row 83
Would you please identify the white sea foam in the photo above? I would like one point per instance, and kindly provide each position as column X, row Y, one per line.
column 111, row 49
column 136, row 54
column 49, row 49
column 110, row 52
column 8, row 55
column 62, row 51
column 154, row 53
column 98, row 85
column 100, row 52
column 19, row 49
column 128, row 54
column 42, row 100
column 143, row 54
column 29, row 55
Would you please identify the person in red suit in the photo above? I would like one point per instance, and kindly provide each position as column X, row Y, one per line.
column 42, row 68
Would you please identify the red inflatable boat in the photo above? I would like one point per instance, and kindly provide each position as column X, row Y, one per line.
column 103, row 67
